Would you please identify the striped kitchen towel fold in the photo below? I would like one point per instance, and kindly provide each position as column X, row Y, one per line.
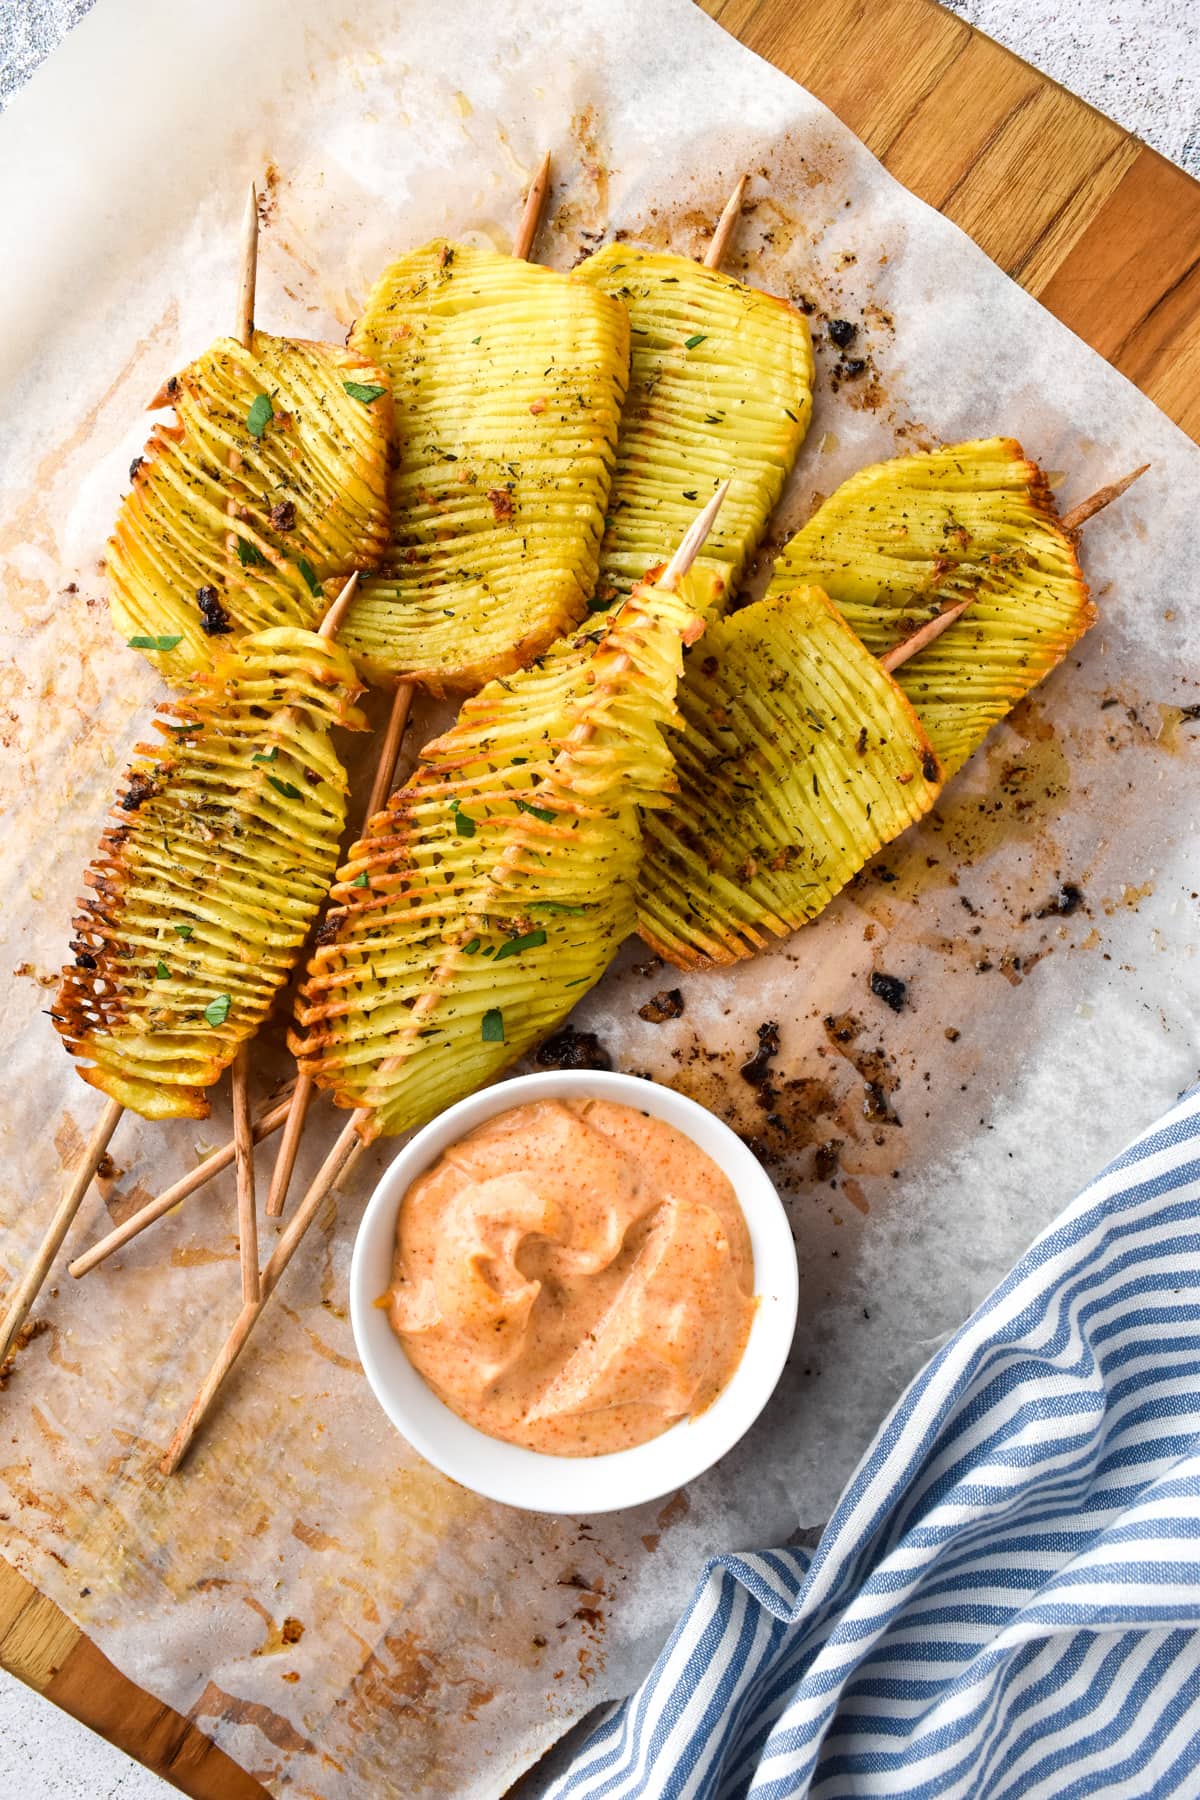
column 1005, row 1601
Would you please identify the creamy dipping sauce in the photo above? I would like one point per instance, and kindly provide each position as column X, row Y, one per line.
column 573, row 1276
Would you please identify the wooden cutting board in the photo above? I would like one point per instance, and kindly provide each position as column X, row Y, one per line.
column 1102, row 230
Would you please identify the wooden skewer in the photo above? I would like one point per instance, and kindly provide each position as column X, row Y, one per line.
column 1070, row 522
column 714, row 256
column 248, row 265
column 531, row 215
column 243, row 1148
column 925, row 634
column 355, row 1133
column 293, row 1130
column 264, row 1126
column 1087, row 509
column 243, row 1136
column 30, row 1284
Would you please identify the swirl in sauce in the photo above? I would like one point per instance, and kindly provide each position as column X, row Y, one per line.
column 573, row 1276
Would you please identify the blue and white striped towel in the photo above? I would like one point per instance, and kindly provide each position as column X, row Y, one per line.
column 1005, row 1601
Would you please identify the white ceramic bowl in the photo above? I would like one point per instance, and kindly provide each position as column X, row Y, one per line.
column 576, row 1484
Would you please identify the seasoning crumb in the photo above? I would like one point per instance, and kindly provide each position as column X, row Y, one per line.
column 283, row 515
column 757, row 1069
column 1068, row 900
column 666, row 1004
column 572, row 1049
column 952, row 1034
column 842, row 332
column 890, row 989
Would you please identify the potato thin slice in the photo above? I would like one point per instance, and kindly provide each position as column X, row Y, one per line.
column 499, row 883
column 508, row 381
column 253, row 508
column 798, row 759
column 220, row 850
column 902, row 539
column 720, row 384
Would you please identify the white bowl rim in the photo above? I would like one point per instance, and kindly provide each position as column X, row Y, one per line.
column 529, row 1479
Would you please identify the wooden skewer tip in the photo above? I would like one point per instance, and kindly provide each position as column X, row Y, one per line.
column 331, row 624
column 726, row 225
column 693, row 539
column 248, row 270
column 1087, row 509
column 531, row 212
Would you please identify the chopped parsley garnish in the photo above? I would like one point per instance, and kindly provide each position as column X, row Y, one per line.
column 158, row 643
column 266, row 756
column 366, row 391
column 260, row 415
column 248, row 556
column 360, row 880
column 491, row 1029
column 284, row 787
column 310, row 576
column 183, row 931
column 530, row 940
column 690, row 493
column 464, row 824
column 471, row 948
column 557, row 906
column 217, row 1011
column 162, row 971
column 690, row 343
column 539, row 812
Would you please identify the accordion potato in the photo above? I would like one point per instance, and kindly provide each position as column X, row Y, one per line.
column 219, row 853
column 900, row 540
column 720, row 383
column 798, row 758
column 271, row 484
column 500, row 881
column 508, row 381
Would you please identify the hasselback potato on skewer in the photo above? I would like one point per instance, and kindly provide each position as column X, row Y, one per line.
column 798, row 758
column 220, row 850
column 901, row 540
column 720, row 378
column 499, row 883
column 508, row 381
column 271, row 484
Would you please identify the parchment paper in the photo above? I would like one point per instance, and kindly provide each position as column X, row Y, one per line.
column 343, row 1620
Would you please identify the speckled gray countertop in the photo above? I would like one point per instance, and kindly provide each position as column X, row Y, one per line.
column 1136, row 60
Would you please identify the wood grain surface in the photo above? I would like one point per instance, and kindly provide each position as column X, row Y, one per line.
column 1102, row 230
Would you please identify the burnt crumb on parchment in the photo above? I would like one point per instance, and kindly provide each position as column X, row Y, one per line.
column 842, row 332
column 890, row 989
column 875, row 1068
column 759, row 1066
column 571, row 1049
column 666, row 1004
column 1068, row 900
